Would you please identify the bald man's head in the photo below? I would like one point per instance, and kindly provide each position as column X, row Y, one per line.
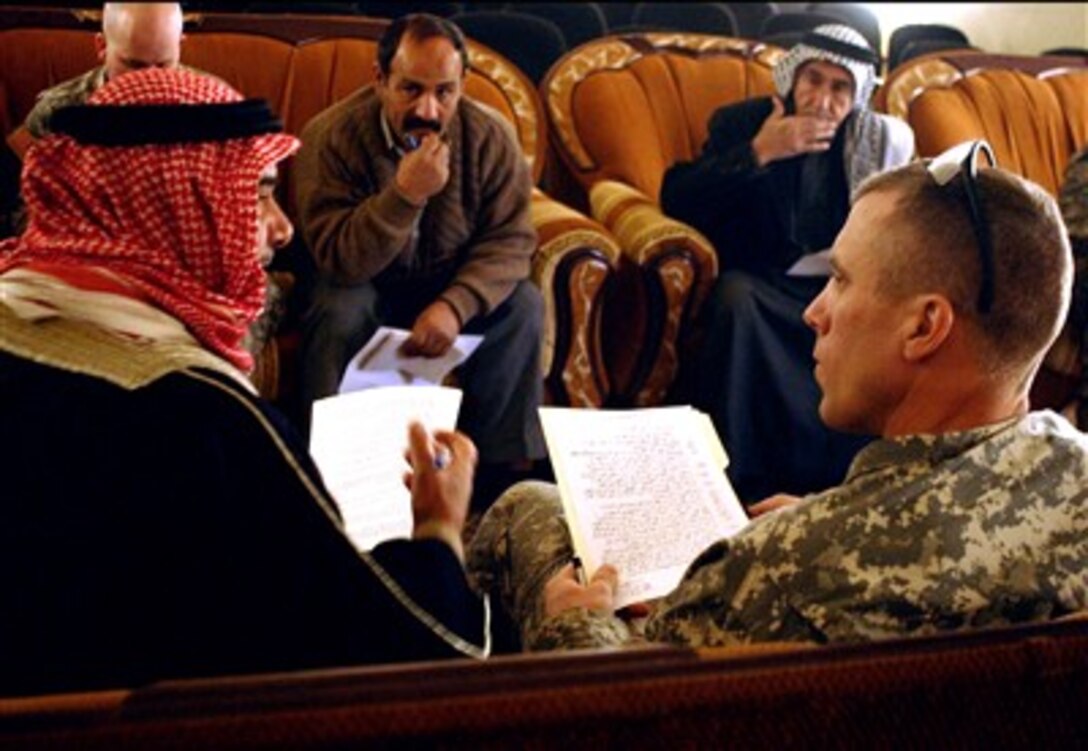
column 139, row 35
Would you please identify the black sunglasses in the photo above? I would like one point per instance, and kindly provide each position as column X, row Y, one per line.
column 962, row 160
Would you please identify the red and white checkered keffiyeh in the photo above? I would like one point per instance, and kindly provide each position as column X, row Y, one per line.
column 174, row 225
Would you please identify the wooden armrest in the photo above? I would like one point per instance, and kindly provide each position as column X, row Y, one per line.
column 667, row 271
column 574, row 262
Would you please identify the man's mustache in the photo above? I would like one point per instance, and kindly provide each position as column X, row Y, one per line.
column 419, row 123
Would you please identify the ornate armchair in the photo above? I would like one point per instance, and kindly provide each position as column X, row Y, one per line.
column 622, row 110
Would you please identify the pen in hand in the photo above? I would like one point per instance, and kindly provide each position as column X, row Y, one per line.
column 442, row 458
column 579, row 570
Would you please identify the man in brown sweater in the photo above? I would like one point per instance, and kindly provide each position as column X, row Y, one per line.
column 415, row 204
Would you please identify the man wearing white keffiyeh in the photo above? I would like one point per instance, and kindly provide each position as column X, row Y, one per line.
column 771, row 190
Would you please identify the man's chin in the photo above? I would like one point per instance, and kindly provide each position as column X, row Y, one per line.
column 831, row 419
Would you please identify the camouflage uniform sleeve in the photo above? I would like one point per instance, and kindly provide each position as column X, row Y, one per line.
column 578, row 628
column 72, row 91
column 520, row 544
column 729, row 596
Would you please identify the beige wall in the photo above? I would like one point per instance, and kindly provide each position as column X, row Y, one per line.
column 1014, row 28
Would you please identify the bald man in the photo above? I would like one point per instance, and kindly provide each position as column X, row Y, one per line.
column 134, row 36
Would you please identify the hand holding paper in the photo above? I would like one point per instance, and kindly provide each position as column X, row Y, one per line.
column 357, row 441
column 434, row 331
column 381, row 362
column 440, row 494
column 643, row 490
column 563, row 591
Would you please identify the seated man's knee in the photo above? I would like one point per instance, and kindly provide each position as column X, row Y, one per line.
column 525, row 309
column 527, row 305
column 527, row 498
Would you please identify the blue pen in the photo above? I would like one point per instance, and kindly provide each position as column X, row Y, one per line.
column 442, row 459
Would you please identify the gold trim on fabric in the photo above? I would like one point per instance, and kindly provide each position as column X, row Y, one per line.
column 526, row 116
column 641, row 227
column 80, row 347
column 608, row 54
column 912, row 81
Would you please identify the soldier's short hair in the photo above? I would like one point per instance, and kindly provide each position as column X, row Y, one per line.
column 932, row 247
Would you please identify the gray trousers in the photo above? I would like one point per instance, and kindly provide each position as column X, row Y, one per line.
column 501, row 383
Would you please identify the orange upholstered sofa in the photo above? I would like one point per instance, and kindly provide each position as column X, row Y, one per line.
column 1033, row 110
column 301, row 65
column 622, row 110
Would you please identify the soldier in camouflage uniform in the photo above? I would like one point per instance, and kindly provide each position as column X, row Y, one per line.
column 134, row 36
column 969, row 512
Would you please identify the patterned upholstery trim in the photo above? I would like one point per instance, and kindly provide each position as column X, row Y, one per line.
column 573, row 262
column 642, row 229
column 678, row 280
column 607, row 54
column 680, row 267
column 928, row 72
column 617, row 52
column 522, row 98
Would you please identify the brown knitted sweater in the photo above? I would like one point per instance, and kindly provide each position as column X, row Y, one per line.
column 476, row 231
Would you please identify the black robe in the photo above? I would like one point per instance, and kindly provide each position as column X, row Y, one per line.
column 178, row 529
column 753, row 373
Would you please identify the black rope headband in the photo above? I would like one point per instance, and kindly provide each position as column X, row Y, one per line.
column 144, row 124
column 852, row 51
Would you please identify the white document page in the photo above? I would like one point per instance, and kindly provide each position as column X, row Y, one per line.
column 643, row 490
column 358, row 442
column 379, row 362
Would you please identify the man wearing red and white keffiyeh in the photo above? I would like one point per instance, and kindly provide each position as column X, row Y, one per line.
column 173, row 225
column 160, row 520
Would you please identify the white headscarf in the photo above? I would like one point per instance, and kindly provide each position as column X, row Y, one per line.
column 836, row 44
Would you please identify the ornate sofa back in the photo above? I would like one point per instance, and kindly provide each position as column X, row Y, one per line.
column 1009, row 688
column 1032, row 110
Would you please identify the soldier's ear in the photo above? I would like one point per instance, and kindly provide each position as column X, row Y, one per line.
column 927, row 326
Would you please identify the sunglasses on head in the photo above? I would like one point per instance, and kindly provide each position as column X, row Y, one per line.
column 963, row 160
